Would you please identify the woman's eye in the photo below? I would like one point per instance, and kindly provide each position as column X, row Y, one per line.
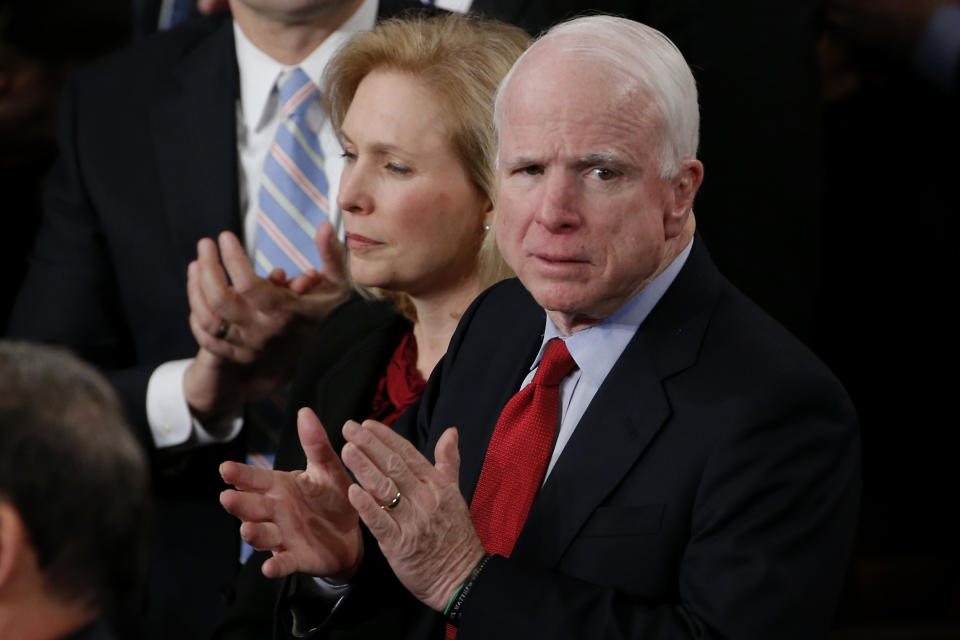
column 399, row 169
column 348, row 156
column 532, row 170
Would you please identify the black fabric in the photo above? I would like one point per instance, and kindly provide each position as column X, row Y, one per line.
column 337, row 378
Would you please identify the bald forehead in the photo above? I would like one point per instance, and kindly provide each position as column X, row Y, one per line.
column 552, row 81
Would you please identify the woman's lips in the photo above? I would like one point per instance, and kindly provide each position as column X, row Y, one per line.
column 358, row 242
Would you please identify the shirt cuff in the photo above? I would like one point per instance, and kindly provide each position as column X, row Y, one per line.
column 938, row 51
column 168, row 413
column 329, row 589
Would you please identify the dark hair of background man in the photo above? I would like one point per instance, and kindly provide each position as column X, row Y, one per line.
column 74, row 473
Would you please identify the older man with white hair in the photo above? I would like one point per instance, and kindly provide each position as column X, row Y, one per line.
column 623, row 445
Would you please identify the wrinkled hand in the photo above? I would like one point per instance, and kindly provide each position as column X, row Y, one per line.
column 428, row 538
column 303, row 517
column 267, row 321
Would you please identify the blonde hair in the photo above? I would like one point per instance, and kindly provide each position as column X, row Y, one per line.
column 462, row 59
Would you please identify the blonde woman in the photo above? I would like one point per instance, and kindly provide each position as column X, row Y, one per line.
column 412, row 101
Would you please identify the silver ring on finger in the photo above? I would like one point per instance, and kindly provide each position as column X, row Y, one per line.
column 222, row 331
column 393, row 503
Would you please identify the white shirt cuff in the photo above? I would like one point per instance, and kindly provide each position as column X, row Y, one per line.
column 168, row 413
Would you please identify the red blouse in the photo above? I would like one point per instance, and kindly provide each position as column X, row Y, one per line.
column 401, row 385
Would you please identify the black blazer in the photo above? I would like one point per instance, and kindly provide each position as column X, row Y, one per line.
column 337, row 378
column 147, row 167
column 709, row 491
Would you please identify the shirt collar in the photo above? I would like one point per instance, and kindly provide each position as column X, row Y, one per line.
column 259, row 72
column 597, row 348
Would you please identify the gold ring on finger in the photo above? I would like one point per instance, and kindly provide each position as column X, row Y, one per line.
column 393, row 503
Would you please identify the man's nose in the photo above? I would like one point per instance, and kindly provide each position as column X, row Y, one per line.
column 558, row 205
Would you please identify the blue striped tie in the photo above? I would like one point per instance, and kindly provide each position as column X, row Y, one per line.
column 293, row 189
column 292, row 204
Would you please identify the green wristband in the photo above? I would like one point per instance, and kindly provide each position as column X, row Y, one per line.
column 456, row 593
column 455, row 606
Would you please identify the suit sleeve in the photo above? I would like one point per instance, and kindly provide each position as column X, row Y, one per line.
column 70, row 296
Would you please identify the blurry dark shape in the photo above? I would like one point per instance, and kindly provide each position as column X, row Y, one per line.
column 884, row 322
column 922, row 35
column 150, row 16
column 41, row 43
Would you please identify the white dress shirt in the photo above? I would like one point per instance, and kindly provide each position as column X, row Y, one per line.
column 258, row 118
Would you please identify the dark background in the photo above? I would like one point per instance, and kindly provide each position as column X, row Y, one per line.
column 842, row 226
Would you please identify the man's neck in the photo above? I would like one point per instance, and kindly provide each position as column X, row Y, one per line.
column 289, row 39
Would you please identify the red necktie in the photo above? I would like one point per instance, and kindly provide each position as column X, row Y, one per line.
column 517, row 456
column 518, row 453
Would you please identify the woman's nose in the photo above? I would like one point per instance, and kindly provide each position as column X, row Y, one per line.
column 354, row 196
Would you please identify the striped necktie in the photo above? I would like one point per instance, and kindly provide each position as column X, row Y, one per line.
column 293, row 189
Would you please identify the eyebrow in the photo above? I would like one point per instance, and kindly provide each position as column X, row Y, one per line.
column 601, row 157
column 378, row 148
column 521, row 161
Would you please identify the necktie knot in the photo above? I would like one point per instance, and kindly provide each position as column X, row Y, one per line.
column 296, row 91
column 555, row 364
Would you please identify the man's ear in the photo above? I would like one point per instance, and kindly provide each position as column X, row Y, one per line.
column 14, row 543
column 683, row 187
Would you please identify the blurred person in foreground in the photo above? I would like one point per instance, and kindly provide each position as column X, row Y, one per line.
column 73, row 497
column 412, row 102
column 674, row 465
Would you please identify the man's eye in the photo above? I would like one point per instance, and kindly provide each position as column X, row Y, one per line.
column 532, row 170
column 603, row 174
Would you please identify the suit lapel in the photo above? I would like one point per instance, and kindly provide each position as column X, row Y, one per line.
column 338, row 393
column 628, row 411
column 194, row 133
column 508, row 12
column 477, row 428
column 390, row 8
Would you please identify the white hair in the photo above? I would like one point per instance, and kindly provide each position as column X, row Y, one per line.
column 650, row 66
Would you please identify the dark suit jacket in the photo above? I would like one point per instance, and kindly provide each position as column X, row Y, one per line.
column 147, row 167
column 337, row 378
column 710, row 490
